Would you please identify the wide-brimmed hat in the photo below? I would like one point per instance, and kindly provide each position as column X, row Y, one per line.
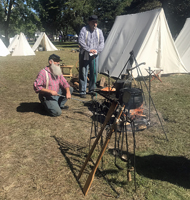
column 55, row 58
column 93, row 18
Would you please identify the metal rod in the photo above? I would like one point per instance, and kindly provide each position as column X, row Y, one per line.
column 127, row 154
column 92, row 174
column 138, row 71
column 151, row 99
column 117, row 139
column 134, row 146
column 122, row 138
column 71, row 98
column 121, row 72
column 149, row 90
column 108, row 117
column 101, row 144
column 93, row 125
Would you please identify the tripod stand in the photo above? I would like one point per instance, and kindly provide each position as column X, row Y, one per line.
column 150, row 98
column 90, row 178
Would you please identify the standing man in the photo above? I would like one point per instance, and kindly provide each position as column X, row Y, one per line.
column 50, row 84
column 91, row 41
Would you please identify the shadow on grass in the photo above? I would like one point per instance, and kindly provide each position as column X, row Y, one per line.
column 67, row 44
column 35, row 107
column 173, row 169
column 75, row 154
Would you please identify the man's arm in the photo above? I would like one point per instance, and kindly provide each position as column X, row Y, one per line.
column 47, row 91
column 66, row 86
column 82, row 39
column 101, row 41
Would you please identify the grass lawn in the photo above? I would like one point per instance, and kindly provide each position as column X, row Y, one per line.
column 41, row 156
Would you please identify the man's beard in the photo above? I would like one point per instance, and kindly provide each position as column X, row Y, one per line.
column 55, row 69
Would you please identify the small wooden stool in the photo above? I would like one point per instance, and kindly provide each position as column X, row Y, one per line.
column 155, row 73
column 67, row 74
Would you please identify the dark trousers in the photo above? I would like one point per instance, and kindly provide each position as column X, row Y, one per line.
column 84, row 66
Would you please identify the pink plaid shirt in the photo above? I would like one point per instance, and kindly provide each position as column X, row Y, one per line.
column 54, row 84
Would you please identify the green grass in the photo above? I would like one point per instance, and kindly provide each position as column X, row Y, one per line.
column 40, row 156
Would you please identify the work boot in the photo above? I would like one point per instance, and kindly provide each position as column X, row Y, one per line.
column 83, row 96
column 65, row 107
column 92, row 94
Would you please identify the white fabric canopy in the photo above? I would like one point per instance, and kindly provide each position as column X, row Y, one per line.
column 11, row 39
column 182, row 43
column 44, row 41
column 23, row 48
column 13, row 43
column 3, row 49
column 146, row 34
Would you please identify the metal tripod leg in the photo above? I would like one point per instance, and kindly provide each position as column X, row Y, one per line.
column 91, row 175
column 134, row 146
column 108, row 117
column 117, row 152
column 128, row 160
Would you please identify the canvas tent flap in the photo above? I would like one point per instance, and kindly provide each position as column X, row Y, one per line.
column 146, row 34
column 182, row 43
column 44, row 42
column 3, row 49
column 13, row 43
column 23, row 48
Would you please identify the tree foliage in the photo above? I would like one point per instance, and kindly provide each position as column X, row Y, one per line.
column 50, row 14
column 176, row 11
column 108, row 10
column 68, row 16
column 65, row 15
column 75, row 13
column 18, row 17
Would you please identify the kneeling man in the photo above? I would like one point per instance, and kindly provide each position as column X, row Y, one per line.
column 52, row 87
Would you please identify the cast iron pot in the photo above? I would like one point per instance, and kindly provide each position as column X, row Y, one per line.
column 131, row 97
column 120, row 84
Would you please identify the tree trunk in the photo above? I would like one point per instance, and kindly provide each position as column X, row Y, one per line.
column 7, row 22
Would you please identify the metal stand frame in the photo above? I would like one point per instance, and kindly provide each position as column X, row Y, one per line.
column 111, row 110
column 108, row 117
column 150, row 98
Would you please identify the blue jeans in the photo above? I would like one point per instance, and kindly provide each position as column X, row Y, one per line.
column 84, row 66
column 53, row 104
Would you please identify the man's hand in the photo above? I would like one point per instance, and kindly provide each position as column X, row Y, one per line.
column 53, row 93
column 93, row 51
column 68, row 94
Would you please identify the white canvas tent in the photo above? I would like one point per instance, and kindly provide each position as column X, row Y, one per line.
column 148, row 35
column 13, row 43
column 23, row 48
column 182, row 43
column 3, row 49
column 11, row 39
column 44, row 42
